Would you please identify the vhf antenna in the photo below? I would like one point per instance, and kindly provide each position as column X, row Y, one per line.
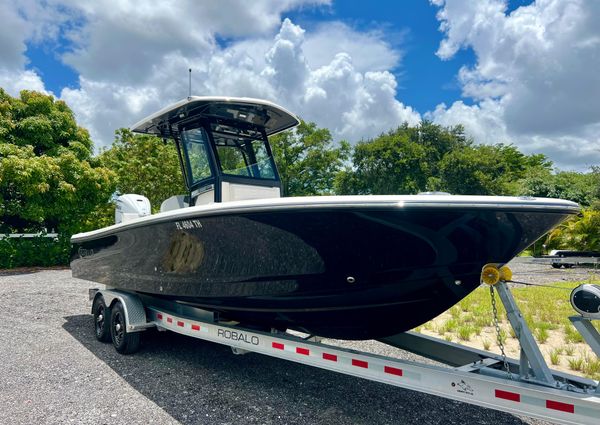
column 190, row 85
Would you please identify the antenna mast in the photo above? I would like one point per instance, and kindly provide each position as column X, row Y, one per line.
column 190, row 83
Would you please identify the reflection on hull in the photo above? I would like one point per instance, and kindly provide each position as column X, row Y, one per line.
column 353, row 274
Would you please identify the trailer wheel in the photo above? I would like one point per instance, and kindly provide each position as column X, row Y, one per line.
column 101, row 320
column 556, row 265
column 124, row 342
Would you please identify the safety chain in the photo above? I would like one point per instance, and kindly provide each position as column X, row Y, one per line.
column 498, row 334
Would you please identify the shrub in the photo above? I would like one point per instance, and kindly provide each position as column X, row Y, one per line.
column 38, row 251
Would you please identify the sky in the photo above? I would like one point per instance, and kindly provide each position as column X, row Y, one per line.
column 516, row 72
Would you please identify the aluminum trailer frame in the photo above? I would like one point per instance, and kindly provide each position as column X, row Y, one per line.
column 476, row 377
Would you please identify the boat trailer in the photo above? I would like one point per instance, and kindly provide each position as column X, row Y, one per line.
column 526, row 386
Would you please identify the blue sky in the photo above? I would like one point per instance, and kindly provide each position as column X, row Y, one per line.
column 520, row 72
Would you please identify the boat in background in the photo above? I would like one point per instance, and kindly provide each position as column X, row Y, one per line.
column 348, row 267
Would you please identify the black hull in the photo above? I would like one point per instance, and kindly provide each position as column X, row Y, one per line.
column 350, row 274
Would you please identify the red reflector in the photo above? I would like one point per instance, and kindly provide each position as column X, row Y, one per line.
column 557, row 405
column 331, row 357
column 195, row 327
column 360, row 363
column 277, row 345
column 159, row 316
column 303, row 351
column 506, row 395
column 392, row 370
column 180, row 324
column 170, row 319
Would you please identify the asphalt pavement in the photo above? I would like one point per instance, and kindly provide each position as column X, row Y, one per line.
column 54, row 371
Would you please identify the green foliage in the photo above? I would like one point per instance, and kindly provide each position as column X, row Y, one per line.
column 583, row 188
column 431, row 157
column 580, row 233
column 48, row 178
column 144, row 165
column 390, row 164
column 485, row 169
column 307, row 160
column 37, row 251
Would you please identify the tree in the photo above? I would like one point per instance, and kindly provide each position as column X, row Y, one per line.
column 402, row 161
column 486, row 169
column 307, row 160
column 389, row 164
column 580, row 233
column 430, row 157
column 48, row 178
column 145, row 165
column 582, row 188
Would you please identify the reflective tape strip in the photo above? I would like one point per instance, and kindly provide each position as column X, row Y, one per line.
column 360, row 363
column 180, row 323
column 330, row 357
column 169, row 320
column 507, row 395
column 303, row 351
column 159, row 316
column 277, row 345
column 195, row 327
column 563, row 407
column 392, row 370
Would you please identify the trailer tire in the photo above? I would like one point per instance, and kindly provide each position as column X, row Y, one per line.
column 556, row 265
column 124, row 342
column 101, row 319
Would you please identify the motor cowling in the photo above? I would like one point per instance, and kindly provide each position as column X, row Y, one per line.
column 131, row 206
column 585, row 299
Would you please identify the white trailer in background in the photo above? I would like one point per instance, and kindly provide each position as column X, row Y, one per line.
column 525, row 386
column 568, row 258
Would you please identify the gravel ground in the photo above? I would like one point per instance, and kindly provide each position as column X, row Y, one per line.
column 54, row 371
column 525, row 269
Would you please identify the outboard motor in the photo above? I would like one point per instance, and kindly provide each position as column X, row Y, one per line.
column 585, row 299
column 131, row 206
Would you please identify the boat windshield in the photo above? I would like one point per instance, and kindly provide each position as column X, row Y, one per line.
column 195, row 142
column 243, row 153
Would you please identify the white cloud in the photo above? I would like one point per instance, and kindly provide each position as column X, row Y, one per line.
column 536, row 77
column 12, row 38
column 352, row 102
column 13, row 81
column 369, row 50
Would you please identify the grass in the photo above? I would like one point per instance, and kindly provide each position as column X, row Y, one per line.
column 555, row 357
column 542, row 335
column 571, row 334
column 592, row 368
column 465, row 332
column 486, row 344
column 449, row 325
column 546, row 311
column 576, row 363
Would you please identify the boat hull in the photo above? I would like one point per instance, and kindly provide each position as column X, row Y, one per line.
column 350, row 273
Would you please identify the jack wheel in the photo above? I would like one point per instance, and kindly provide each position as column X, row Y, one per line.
column 124, row 342
column 101, row 325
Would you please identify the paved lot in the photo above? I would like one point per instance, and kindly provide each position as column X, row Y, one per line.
column 54, row 371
